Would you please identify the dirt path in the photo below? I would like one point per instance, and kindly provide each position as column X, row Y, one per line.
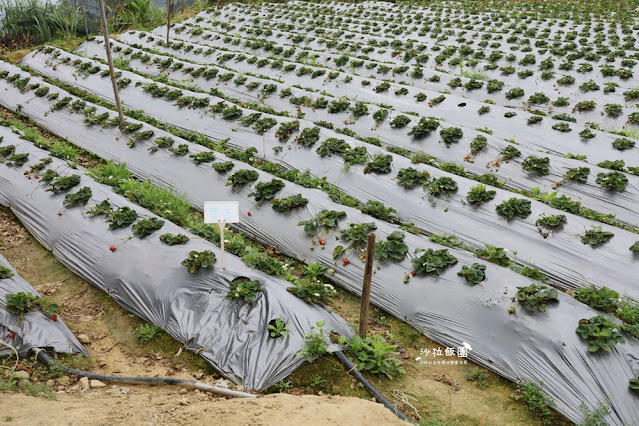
column 164, row 406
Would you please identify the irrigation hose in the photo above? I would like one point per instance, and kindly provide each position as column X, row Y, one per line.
column 48, row 361
column 378, row 396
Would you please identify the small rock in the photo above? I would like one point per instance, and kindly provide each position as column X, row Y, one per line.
column 182, row 391
column 50, row 383
column 63, row 380
column 84, row 383
column 221, row 383
column 75, row 388
column 84, row 339
column 24, row 383
column 184, row 401
column 97, row 384
column 21, row 375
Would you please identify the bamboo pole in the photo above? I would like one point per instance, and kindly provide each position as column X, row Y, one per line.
column 107, row 46
column 366, row 290
column 168, row 21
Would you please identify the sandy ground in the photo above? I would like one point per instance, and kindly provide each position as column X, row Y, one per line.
column 155, row 406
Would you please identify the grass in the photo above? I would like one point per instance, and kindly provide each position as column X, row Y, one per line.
column 30, row 21
column 477, row 75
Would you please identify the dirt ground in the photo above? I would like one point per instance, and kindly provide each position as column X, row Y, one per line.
column 147, row 406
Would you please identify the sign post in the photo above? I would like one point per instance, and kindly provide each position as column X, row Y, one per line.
column 221, row 212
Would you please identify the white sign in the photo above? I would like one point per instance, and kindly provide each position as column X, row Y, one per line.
column 221, row 211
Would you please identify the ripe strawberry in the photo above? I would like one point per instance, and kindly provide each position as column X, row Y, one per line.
column 11, row 335
column 346, row 261
column 249, row 213
column 112, row 248
column 54, row 317
column 412, row 273
column 321, row 241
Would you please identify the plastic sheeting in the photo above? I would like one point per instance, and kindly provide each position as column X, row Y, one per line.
column 146, row 277
column 36, row 330
column 478, row 226
column 589, row 194
column 524, row 346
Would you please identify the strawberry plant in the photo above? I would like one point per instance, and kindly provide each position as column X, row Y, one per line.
column 357, row 155
column 5, row 273
column 613, row 181
column 242, row 177
column 473, row 274
column 509, row 153
column 379, row 211
column 121, row 218
column 602, row 299
column 394, row 248
column 514, row 93
column 357, row 234
column 635, row 247
column 479, row 143
column 223, row 167
column 552, row 221
column 172, row 240
column 538, row 98
column 409, row 177
column 17, row 160
column 536, row 296
column 565, row 204
column 313, row 290
column 562, row 127
column 162, row 142
column 479, row 195
column 483, row 110
column 579, row 174
column 22, row 303
column 374, row 354
column 451, row 135
column 432, row 261
column 359, row 110
column 5, row 151
column 104, row 208
column 600, row 332
column 203, row 157
column 623, row 143
column 324, row 219
column 587, row 134
column 613, row 165
column 424, row 127
column 399, row 122
column 181, row 150
column 585, row 106
column 379, row 115
column 596, row 236
column 277, row 328
column 264, row 191
column 333, row 146
column 196, row 260
column 286, row 129
column 243, row 289
column 381, row 163
column 537, row 165
column 495, row 255
column 514, row 207
column 264, row 125
column 335, row 107
column 533, row 273
column 64, row 183
column 613, row 109
column 146, row 227
column 535, row 119
column 282, row 205
column 79, row 198
column 441, row 186
column 129, row 127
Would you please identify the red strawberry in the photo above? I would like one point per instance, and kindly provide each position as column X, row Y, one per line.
column 249, row 213
column 321, row 241
column 112, row 248
column 412, row 273
column 346, row 262
column 54, row 317
column 11, row 335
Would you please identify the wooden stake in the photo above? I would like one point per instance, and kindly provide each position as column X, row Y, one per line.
column 366, row 290
column 168, row 22
column 222, row 225
column 107, row 46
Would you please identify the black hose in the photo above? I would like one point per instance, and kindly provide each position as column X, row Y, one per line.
column 378, row 396
column 48, row 361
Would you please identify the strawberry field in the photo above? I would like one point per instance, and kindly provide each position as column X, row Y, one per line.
column 491, row 147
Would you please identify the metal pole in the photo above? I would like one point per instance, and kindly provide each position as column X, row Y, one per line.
column 107, row 46
column 366, row 290
column 168, row 21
